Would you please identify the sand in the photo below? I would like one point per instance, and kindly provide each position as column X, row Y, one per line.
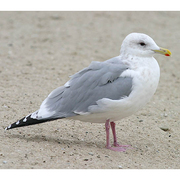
column 40, row 50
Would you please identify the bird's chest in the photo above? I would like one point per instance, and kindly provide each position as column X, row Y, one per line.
column 144, row 85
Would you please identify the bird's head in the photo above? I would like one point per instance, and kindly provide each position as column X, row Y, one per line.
column 138, row 44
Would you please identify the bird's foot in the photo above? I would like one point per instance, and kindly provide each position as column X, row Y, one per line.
column 117, row 145
column 119, row 148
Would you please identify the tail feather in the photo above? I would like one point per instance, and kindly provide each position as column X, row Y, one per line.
column 26, row 121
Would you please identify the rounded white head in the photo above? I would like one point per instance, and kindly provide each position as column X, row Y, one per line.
column 138, row 44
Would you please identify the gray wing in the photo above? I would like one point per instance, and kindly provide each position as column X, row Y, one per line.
column 85, row 88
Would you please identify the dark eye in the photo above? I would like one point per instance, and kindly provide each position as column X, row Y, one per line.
column 142, row 43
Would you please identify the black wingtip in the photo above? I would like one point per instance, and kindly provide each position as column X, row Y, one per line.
column 26, row 121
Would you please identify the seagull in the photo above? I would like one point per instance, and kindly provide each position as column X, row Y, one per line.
column 105, row 92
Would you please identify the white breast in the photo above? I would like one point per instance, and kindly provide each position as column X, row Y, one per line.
column 145, row 82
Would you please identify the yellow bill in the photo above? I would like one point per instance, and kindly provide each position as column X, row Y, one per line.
column 163, row 51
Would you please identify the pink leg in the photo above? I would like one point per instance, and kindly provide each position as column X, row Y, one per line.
column 108, row 146
column 114, row 133
column 107, row 126
column 114, row 136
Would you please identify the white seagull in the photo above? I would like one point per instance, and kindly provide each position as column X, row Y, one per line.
column 107, row 91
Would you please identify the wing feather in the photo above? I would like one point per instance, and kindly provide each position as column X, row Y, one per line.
column 99, row 80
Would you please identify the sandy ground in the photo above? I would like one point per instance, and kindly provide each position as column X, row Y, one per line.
column 39, row 50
